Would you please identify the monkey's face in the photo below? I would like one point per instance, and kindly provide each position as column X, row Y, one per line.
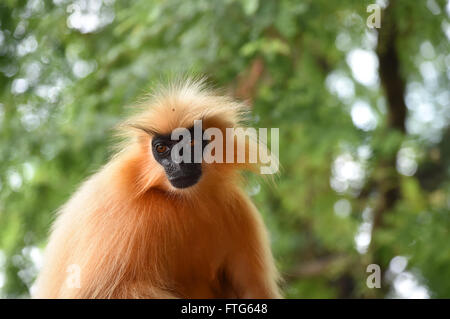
column 180, row 172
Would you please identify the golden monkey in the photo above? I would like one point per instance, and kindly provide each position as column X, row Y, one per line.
column 145, row 226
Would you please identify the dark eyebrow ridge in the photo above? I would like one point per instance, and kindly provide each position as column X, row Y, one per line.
column 149, row 131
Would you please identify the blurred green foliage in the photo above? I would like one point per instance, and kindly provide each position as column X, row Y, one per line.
column 68, row 69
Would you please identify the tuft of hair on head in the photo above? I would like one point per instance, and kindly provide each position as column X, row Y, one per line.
column 179, row 103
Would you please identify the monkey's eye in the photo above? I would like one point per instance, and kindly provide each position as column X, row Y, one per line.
column 161, row 148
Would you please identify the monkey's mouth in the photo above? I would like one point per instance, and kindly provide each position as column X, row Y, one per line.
column 184, row 181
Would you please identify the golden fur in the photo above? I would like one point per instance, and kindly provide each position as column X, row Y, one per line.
column 133, row 235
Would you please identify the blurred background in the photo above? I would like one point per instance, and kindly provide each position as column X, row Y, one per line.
column 363, row 115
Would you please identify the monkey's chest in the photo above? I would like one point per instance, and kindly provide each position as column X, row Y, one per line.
column 198, row 255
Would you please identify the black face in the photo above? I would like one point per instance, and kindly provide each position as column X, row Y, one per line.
column 180, row 175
